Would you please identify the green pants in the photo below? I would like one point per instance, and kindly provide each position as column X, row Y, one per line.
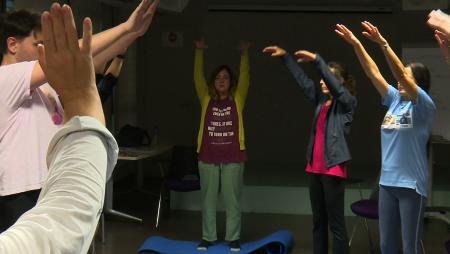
column 229, row 177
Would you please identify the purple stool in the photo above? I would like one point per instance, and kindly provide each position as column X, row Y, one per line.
column 364, row 209
column 447, row 246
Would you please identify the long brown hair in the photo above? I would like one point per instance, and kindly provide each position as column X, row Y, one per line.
column 347, row 80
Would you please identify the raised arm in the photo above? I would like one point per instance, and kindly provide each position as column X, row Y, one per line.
column 335, row 86
column 112, row 41
column 244, row 71
column 367, row 63
column 299, row 75
column 201, row 86
column 395, row 64
column 109, row 80
column 66, row 214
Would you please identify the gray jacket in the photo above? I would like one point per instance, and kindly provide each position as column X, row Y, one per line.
column 340, row 113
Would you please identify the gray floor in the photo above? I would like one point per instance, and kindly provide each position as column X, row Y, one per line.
column 124, row 236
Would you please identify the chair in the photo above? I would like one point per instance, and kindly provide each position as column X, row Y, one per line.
column 182, row 175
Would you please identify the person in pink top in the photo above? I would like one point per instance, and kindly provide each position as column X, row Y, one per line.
column 30, row 110
column 327, row 152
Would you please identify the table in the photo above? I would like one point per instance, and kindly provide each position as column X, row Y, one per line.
column 132, row 154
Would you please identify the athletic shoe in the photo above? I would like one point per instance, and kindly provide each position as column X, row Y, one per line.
column 235, row 246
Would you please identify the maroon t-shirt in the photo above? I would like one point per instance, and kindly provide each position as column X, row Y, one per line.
column 220, row 142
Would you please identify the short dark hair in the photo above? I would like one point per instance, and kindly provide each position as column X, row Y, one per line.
column 348, row 81
column 421, row 75
column 18, row 24
column 233, row 83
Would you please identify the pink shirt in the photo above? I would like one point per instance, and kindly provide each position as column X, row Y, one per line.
column 318, row 164
column 26, row 127
column 220, row 142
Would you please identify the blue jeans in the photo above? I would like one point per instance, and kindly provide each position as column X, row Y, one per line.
column 401, row 211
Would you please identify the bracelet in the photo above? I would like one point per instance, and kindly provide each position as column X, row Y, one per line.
column 120, row 56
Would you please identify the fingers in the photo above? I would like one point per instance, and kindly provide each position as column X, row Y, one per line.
column 366, row 26
column 47, row 32
column 142, row 7
column 304, row 56
column 58, row 27
column 270, row 49
column 438, row 39
column 152, row 9
column 367, row 35
column 342, row 30
column 87, row 37
column 339, row 33
column 69, row 25
column 301, row 53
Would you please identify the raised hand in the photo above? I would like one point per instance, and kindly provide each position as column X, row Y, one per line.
column 67, row 65
column 244, row 45
column 141, row 18
column 372, row 33
column 443, row 43
column 346, row 34
column 440, row 21
column 305, row 56
column 274, row 51
column 200, row 44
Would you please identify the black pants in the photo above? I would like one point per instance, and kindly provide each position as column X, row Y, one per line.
column 327, row 202
column 13, row 206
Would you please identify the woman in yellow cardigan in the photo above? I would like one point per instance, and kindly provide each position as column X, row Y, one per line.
column 220, row 144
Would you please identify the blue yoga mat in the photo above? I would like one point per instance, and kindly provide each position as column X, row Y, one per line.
column 276, row 243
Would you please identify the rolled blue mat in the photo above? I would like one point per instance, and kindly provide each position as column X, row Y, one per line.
column 277, row 243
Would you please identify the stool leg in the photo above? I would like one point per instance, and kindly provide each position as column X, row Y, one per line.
column 370, row 237
column 159, row 206
column 354, row 231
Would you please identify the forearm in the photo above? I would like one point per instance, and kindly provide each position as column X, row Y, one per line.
column 370, row 68
column 112, row 50
column 398, row 70
column 115, row 67
column 83, row 103
column 201, row 86
column 244, row 75
column 105, row 39
column 300, row 77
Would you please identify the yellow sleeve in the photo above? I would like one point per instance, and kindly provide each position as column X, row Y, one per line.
column 244, row 78
column 201, row 86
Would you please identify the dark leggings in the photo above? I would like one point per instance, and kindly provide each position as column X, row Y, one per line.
column 327, row 202
column 13, row 206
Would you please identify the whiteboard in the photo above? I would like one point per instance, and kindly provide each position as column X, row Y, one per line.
column 440, row 84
